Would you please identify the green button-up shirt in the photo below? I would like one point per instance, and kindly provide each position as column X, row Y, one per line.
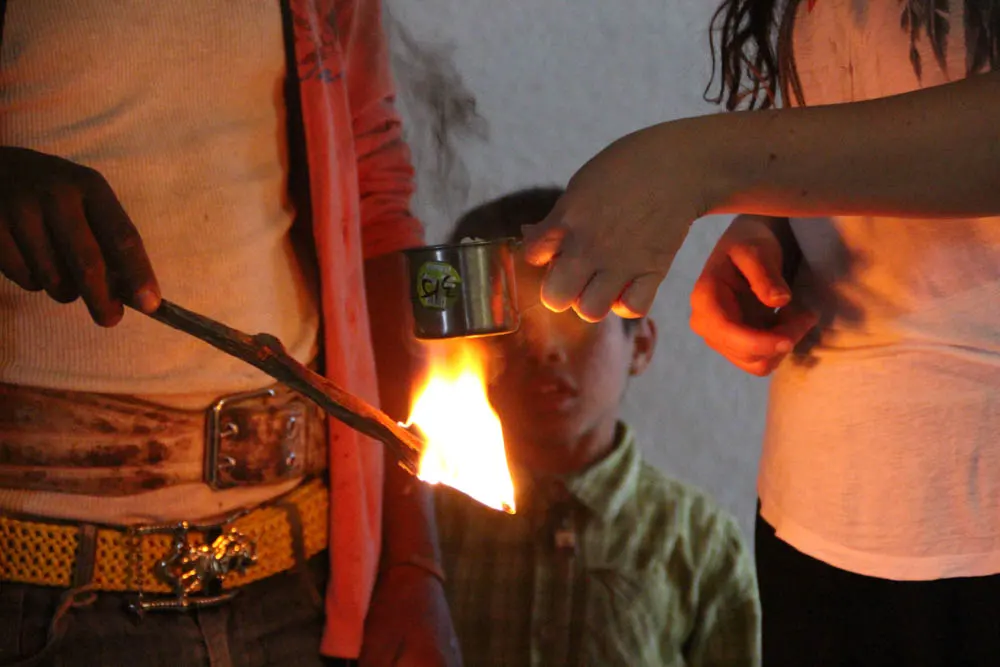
column 615, row 566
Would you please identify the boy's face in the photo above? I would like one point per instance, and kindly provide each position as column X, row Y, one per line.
column 560, row 380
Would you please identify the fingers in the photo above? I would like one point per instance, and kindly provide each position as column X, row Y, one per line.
column 719, row 317
column 743, row 346
column 759, row 366
column 80, row 251
column 32, row 240
column 593, row 297
column 598, row 296
column 567, row 278
column 795, row 322
column 63, row 230
column 572, row 282
column 122, row 246
column 564, row 282
column 637, row 299
column 740, row 286
column 716, row 317
column 12, row 263
column 743, row 355
column 760, row 263
column 594, row 270
column 542, row 241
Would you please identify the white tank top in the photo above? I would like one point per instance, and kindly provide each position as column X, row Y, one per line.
column 179, row 105
column 882, row 446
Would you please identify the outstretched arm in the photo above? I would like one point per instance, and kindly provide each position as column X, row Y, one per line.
column 933, row 153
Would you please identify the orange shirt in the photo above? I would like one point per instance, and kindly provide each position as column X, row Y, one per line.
column 360, row 180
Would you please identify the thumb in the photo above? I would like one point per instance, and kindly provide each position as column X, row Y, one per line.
column 761, row 263
column 542, row 241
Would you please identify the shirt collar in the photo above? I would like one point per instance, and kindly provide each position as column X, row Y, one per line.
column 604, row 487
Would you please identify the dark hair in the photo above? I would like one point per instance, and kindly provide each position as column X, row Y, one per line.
column 755, row 60
column 503, row 218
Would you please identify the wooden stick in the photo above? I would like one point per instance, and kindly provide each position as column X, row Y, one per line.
column 266, row 352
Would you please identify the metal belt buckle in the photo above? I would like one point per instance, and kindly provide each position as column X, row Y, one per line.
column 227, row 465
column 194, row 572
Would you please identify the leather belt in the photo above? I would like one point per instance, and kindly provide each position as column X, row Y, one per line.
column 112, row 445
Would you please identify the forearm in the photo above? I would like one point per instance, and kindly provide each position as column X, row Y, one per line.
column 409, row 530
column 933, row 153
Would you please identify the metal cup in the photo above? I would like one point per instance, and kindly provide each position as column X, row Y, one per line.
column 463, row 290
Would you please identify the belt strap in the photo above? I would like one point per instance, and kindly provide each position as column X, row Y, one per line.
column 111, row 445
column 179, row 561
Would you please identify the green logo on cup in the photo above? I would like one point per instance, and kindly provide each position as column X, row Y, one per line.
column 437, row 285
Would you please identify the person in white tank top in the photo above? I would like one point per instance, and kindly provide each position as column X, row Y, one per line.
column 865, row 271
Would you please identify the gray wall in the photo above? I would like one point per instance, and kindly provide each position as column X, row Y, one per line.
column 556, row 81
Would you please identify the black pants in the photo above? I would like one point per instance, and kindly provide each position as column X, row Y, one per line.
column 274, row 622
column 815, row 615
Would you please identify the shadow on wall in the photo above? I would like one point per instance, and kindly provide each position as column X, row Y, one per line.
column 441, row 113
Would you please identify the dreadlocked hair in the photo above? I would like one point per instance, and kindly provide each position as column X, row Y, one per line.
column 755, row 61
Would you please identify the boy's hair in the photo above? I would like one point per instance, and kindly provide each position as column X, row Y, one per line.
column 503, row 217
column 754, row 59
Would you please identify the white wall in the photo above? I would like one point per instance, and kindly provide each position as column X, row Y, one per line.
column 557, row 80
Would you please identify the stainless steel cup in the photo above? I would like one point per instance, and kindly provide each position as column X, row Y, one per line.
column 463, row 290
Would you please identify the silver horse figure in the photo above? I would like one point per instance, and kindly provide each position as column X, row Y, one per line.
column 191, row 567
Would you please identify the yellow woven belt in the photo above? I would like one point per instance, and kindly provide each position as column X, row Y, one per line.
column 45, row 554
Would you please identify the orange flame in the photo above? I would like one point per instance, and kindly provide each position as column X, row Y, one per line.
column 464, row 440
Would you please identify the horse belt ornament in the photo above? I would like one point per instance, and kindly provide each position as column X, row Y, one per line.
column 196, row 571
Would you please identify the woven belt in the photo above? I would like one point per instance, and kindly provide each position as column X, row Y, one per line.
column 112, row 445
column 169, row 567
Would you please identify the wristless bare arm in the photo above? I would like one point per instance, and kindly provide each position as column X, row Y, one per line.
column 933, row 153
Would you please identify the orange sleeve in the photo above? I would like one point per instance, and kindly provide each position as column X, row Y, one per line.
column 385, row 172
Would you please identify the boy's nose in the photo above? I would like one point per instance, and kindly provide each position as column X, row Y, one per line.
column 543, row 341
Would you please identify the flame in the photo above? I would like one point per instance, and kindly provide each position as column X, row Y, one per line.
column 464, row 440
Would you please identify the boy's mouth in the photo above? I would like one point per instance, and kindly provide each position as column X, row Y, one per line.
column 553, row 393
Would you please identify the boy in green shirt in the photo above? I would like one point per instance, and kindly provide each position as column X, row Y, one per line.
column 607, row 561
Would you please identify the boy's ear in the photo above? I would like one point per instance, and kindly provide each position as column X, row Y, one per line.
column 643, row 346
